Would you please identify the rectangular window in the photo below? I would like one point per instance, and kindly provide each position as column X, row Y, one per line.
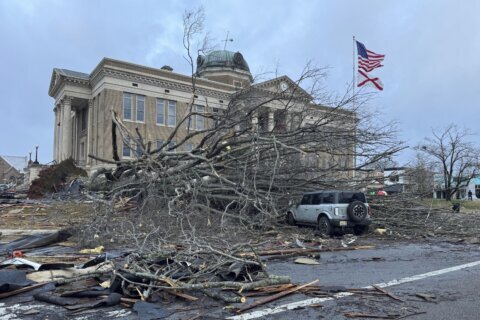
column 200, row 120
column 141, row 108
column 126, row 150
column 160, row 111
column 83, row 120
column 82, row 151
column 171, row 144
column 188, row 147
column 127, row 106
column 138, row 151
column 159, row 144
column 172, row 113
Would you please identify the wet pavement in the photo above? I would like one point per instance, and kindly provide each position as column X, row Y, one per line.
column 455, row 292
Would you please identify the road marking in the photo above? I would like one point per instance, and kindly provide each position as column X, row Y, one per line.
column 305, row 303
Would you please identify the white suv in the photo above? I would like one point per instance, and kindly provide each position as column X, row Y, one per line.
column 330, row 209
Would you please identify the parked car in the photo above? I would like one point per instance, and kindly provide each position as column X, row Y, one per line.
column 331, row 210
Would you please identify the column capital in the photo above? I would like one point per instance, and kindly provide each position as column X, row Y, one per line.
column 67, row 100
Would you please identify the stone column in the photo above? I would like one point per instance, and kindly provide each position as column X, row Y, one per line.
column 255, row 120
column 288, row 121
column 59, row 133
column 55, row 132
column 67, row 128
column 89, row 131
column 271, row 119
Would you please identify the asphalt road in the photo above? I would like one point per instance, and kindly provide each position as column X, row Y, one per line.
column 449, row 273
column 454, row 291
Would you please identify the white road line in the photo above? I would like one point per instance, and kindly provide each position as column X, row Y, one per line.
column 305, row 303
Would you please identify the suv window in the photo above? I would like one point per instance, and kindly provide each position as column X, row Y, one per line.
column 317, row 198
column 328, row 198
column 347, row 197
column 306, row 199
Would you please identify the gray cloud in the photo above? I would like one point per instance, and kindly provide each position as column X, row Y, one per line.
column 431, row 48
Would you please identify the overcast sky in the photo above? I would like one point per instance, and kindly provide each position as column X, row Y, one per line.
column 430, row 71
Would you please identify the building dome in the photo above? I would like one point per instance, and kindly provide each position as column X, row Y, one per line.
column 222, row 59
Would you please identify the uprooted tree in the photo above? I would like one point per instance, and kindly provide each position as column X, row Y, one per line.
column 247, row 160
column 454, row 156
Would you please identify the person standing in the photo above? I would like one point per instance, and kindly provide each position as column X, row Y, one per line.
column 470, row 195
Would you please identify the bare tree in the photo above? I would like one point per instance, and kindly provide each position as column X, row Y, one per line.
column 455, row 156
column 420, row 175
column 245, row 167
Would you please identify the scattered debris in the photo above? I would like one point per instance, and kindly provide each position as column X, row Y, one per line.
column 427, row 297
column 306, row 261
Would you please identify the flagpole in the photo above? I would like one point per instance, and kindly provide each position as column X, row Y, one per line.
column 353, row 101
column 353, row 73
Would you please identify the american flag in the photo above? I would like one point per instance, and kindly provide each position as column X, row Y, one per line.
column 368, row 61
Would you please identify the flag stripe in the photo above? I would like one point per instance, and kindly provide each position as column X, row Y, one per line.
column 374, row 81
column 368, row 61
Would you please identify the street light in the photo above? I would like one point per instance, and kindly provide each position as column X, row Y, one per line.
column 36, row 155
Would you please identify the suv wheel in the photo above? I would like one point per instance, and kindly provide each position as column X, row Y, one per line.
column 357, row 211
column 324, row 226
column 290, row 219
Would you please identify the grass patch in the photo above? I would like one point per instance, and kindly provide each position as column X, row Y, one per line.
column 465, row 205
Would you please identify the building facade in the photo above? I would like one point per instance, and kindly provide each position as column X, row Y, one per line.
column 154, row 101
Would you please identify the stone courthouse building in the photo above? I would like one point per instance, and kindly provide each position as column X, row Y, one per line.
column 154, row 100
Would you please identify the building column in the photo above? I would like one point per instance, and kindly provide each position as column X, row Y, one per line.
column 55, row 132
column 59, row 133
column 255, row 120
column 89, row 131
column 271, row 119
column 67, row 128
column 288, row 121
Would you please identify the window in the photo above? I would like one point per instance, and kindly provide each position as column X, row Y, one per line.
column 160, row 111
column 200, row 120
column 306, row 199
column 138, row 150
column 126, row 150
column 127, row 106
column 188, row 147
column 82, row 150
column 172, row 113
column 171, row 146
column 83, row 119
column 159, row 144
column 317, row 199
column 328, row 198
column 141, row 108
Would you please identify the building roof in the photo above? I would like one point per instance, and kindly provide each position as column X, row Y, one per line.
column 19, row 163
column 222, row 58
column 73, row 74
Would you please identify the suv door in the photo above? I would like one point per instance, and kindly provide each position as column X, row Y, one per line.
column 328, row 200
column 304, row 208
column 316, row 208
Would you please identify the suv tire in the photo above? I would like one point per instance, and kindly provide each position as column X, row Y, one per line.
column 290, row 219
column 357, row 211
column 324, row 226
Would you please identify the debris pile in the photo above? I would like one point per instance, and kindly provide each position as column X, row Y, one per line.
column 55, row 178
column 406, row 216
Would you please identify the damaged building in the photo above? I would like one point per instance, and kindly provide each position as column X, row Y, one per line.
column 156, row 100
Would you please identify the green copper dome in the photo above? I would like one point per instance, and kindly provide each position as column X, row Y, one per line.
column 222, row 58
